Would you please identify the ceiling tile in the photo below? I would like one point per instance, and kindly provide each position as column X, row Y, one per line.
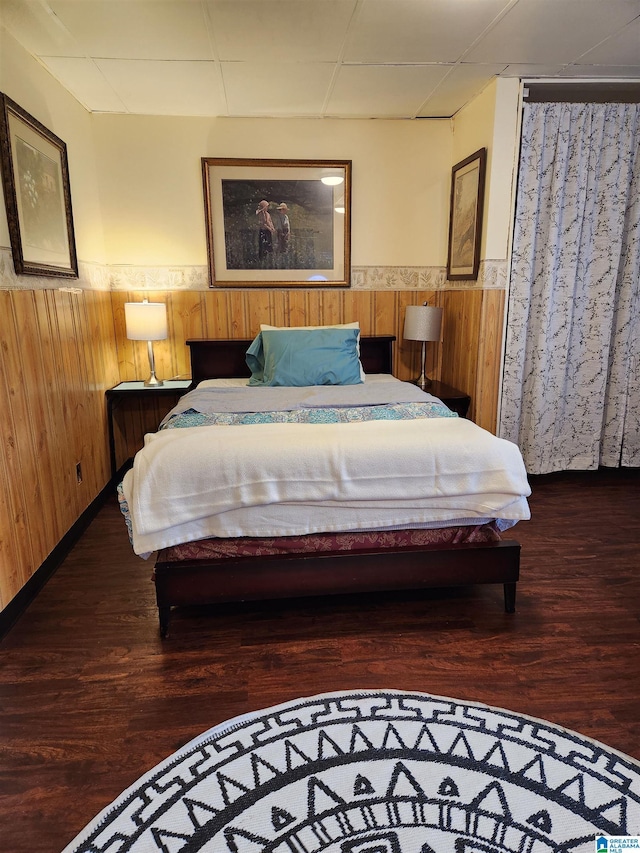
column 459, row 87
column 279, row 30
column 37, row 29
column 392, row 91
column 623, row 48
column 387, row 58
column 137, row 29
column 166, row 88
column 418, row 30
column 279, row 89
column 86, row 82
column 548, row 31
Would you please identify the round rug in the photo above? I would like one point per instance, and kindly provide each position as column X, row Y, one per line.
column 376, row 772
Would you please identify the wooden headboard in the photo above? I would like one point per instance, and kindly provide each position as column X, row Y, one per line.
column 223, row 359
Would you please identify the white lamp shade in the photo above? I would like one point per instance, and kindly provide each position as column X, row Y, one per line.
column 146, row 321
column 423, row 323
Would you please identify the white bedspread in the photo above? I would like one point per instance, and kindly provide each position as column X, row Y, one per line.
column 192, row 483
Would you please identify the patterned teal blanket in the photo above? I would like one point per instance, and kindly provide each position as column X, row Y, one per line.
column 330, row 415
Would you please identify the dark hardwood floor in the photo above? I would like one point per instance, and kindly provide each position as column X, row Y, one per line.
column 91, row 698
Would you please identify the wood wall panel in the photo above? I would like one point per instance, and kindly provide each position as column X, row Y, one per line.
column 461, row 359
column 462, row 311
column 57, row 357
column 35, row 464
column 238, row 314
column 487, row 385
column 13, row 413
column 9, row 543
column 472, row 349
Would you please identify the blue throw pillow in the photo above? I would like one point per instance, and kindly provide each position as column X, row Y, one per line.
column 255, row 360
column 305, row 357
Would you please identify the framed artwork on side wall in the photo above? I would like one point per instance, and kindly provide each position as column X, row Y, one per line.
column 465, row 218
column 278, row 223
column 35, row 176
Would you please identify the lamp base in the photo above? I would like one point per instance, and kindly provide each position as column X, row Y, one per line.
column 423, row 383
column 153, row 382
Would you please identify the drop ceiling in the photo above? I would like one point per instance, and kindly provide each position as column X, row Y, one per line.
column 315, row 58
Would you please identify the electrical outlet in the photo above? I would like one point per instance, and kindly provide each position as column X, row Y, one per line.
column 79, row 472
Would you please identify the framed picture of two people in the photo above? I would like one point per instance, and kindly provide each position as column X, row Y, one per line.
column 277, row 223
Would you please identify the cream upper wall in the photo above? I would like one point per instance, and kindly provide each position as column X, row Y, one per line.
column 152, row 197
column 36, row 91
column 491, row 121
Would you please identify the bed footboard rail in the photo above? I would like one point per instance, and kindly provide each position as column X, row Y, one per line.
column 200, row 582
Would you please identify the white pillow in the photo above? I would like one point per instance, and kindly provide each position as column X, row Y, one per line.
column 264, row 327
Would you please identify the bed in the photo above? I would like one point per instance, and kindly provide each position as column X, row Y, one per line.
column 208, row 569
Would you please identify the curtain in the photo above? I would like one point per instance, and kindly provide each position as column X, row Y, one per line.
column 570, row 396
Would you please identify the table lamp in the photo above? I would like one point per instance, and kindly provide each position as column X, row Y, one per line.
column 423, row 323
column 147, row 321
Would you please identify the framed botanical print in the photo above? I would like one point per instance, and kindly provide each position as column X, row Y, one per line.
column 37, row 194
column 465, row 218
column 277, row 223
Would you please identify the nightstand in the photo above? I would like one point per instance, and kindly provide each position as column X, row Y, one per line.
column 150, row 400
column 456, row 400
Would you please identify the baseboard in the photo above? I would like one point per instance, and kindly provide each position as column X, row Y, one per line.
column 20, row 602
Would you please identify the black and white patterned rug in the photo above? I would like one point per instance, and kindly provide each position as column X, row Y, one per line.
column 377, row 772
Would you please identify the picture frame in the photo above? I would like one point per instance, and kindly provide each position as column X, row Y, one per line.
column 278, row 223
column 35, row 177
column 465, row 216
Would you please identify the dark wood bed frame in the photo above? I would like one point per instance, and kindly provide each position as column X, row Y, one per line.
column 198, row 582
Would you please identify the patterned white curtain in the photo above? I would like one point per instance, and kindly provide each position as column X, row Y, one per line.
column 571, row 384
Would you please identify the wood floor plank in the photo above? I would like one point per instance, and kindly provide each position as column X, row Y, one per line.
column 91, row 698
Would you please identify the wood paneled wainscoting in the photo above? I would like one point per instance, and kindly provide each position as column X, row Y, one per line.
column 472, row 349
column 57, row 356
column 468, row 357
